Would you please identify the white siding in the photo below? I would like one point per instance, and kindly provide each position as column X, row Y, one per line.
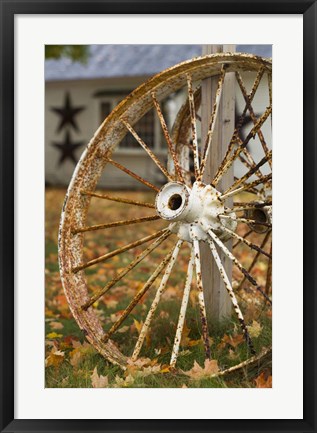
column 82, row 94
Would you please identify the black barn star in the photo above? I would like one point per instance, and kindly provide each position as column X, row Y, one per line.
column 67, row 149
column 247, row 119
column 67, row 113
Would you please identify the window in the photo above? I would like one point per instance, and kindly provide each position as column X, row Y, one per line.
column 145, row 128
column 148, row 127
column 105, row 110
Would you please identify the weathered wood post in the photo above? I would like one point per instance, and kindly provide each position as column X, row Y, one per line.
column 218, row 304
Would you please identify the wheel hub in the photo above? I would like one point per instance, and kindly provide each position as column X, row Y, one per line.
column 191, row 209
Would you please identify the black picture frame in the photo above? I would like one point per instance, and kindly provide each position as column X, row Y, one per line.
column 8, row 10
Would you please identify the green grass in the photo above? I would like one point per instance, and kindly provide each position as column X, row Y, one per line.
column 63, row 338
column 67, row 376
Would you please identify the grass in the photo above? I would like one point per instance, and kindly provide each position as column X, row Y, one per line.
column 71, row 362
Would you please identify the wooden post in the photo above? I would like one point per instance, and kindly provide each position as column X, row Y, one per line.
column 218, row 304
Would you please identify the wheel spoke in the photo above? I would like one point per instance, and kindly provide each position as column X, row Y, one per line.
column 245, row 220
column 152, row 310
column 252, row 115
column 249, row 189
column 212, row 122
column 235, row 261
column 226, row 164
column 257, row 81
column 193, row 125
column 233, row 298
column 119, row 250
column 269, row 274
column 182, row 313
column 138, row 296
column 235, row 137
column 242, row 208
column 244, row 236
column 269, row 80
column 255, row 258
column 147, row 149
column 249, row 161
column 201, row 300
column 116, row 224
column 246, row 186
column 247, row 175
column 168, row 138
column 132, row 174
column 118, row 199
column 251, row 205
column 127, row 269
column 246, row 242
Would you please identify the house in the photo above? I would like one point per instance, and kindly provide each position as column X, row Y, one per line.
column 79, row 96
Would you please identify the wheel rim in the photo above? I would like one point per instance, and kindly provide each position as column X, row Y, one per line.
column 179, row 204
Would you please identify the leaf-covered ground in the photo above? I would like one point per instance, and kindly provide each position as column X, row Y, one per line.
column 72, row 362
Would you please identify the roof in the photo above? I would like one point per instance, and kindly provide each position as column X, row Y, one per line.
column 106, row 61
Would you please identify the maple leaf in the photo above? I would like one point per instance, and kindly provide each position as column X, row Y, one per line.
column 185, row 339
column 166, row 368
column 232, row 340
column 79, row 352
column 99, row 381
column 140, row 362
column 264, row 380
column 122, row 383
column 123, row 329
column 192, row 343
column 255, row 329
column 53, row 335
column 56, row 325
column 138, row 325
column 75, row 358
column 197, row 372
column 142, row 367
column 55, row 358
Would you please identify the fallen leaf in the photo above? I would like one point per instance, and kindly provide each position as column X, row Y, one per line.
column 264, row 380
column 123, row 329
column 99, row 381
column 140, row 362
column 123, row 383
column 138, row 325
column 166, row 369
column 192, row 343
column 255, row 329
column 53, row 335
column 75, row 358
column 185, row 333
column 198, row 372
column 56, row 325
column 80, row 351
column 147, row 371
column 232, row 340
column 55, row 358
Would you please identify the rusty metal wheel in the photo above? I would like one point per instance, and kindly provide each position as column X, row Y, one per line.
column 189, row 211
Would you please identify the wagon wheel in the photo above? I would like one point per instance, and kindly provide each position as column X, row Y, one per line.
column 188, row 213
column 181, row 135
